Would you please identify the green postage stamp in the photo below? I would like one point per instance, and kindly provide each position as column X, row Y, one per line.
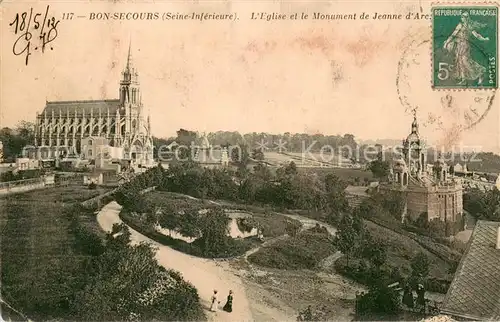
column 465, row 47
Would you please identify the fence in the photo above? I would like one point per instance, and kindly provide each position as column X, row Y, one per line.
column 21, row 185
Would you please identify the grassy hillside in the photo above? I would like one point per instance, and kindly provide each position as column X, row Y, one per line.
column 303, row 251
column 37, row 245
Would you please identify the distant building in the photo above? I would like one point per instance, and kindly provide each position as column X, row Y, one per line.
column 474, row 293
column 429, row 190
column 63, row 126
column 209, row 156
column 26, row 164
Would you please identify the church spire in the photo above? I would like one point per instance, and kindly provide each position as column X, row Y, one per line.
column 129, row 83
column 129, row 73
column 128, row 67
column 414, row 124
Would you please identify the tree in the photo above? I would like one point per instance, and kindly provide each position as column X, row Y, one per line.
column 291, row 169
column 126, row 281
column 240, row 155
column 379, row 168
column 380, row 299
column 214, row 227
column 377, row 254
column 346, row 236
column 335, row 194
column 258, row 154
column 483, row 205
column 262, row 172
column 132, row 200
column 26, row 132
column 186, row 140
column 334, row 184
column 169, row 219
column 189, row 223
column 420, row 265
column 16, row 140
column 247, row 190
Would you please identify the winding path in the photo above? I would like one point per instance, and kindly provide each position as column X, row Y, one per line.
column 207, row 275
column 204, row 274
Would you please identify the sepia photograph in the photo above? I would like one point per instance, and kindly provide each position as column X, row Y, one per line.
column 230, row 160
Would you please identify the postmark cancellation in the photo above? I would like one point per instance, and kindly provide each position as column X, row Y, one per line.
column 464, row 46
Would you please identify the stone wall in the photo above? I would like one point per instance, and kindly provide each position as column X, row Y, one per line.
column 98, row 201
column 417, row 203
column 439, row 202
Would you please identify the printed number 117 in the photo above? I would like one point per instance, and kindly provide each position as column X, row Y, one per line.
column 68, row 16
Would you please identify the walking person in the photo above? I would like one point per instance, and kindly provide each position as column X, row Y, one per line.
column 215, row 302
column 228, row 307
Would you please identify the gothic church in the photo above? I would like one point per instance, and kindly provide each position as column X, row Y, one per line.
column 70, row 125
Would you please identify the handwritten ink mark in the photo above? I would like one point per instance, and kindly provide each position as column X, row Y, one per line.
column 22, row 23
column 27, row 37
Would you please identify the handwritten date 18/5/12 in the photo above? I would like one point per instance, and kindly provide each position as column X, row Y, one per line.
column 31, row 24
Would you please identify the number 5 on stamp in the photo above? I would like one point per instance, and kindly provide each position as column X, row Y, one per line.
column 465, row 47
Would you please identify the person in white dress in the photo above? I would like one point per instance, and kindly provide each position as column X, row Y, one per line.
column 215, row 302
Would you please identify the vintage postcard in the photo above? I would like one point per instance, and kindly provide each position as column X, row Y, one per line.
column 230, row 160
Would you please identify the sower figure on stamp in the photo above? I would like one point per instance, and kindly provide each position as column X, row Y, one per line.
column 458, row 44
column 228, row 307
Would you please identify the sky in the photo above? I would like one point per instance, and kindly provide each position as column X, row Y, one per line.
column 306, row 76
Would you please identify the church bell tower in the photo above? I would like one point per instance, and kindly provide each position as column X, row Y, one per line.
column 130, row 96
column 414, row 150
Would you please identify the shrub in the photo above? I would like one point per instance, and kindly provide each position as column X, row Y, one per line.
column 363, row 272
column 432, row 284
column 86, row 242
column 246, row 224
column 380, row 299
column 92, row 186
column 304, row 251
column 310, row 314
column 229, row 247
